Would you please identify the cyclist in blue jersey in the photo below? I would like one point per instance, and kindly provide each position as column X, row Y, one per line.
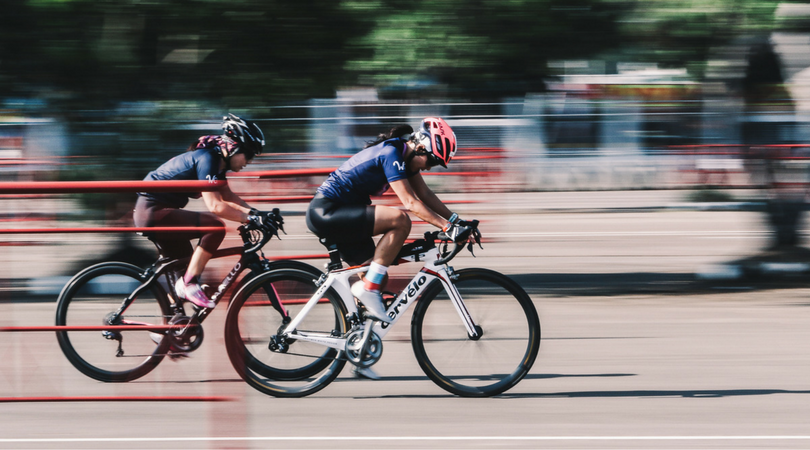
column 209, row 158
column 341, row 210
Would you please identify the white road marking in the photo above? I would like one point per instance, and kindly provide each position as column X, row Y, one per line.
column 414, row 438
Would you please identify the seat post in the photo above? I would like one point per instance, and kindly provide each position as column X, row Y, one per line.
column 335, row 262
column 173, row 274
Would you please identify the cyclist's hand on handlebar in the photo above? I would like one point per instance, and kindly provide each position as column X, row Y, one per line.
column 270, row 220
column 459, row 231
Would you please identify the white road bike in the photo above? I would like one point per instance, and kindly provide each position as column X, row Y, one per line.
column 475, row 332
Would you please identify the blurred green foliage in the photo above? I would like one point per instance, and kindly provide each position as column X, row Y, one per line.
column 480, row 47
column 249, row 53
column 240, row 52
column 682, row 33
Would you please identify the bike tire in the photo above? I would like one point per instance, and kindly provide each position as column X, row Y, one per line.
column 87, row 299
column 276, row 265
column 251, row 321
column 503, row 354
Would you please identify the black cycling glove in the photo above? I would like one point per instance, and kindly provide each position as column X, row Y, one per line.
column 456, row 229
column 267, row 219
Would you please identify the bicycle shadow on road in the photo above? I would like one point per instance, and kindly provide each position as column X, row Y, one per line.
column 531, row 376
column 695, row 394
column 643, row 283
column 700, row 393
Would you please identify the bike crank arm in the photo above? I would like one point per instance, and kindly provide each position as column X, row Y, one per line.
column 361, row 346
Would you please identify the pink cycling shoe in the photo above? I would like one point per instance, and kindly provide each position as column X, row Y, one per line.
column 193, row 293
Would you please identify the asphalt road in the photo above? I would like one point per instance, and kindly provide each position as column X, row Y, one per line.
column 635, row 354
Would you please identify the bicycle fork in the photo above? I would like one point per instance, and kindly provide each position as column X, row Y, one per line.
column 474, row 331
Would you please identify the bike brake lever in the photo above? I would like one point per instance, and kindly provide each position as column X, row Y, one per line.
column 475, row 237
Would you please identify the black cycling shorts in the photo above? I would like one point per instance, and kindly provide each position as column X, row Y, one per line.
column 149, row 213
column 350, row 226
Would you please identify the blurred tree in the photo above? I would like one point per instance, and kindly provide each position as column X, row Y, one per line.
column 253, row 52
column 124, row 73
column 682, row 33
column 479, row 46
column 246, row 52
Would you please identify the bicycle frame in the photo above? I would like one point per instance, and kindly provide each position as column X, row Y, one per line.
column 339, row 280
column 164, row 266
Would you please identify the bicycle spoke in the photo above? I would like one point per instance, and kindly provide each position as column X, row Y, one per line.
column 476, row 367
column 112, row 354
column 293, row 366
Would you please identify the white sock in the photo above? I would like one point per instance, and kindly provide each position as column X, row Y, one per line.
column 375, row 276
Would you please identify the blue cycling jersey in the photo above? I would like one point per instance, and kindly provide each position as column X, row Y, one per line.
column 201, row 164
column 367, row 173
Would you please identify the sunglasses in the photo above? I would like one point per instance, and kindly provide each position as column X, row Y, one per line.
column 432, row 160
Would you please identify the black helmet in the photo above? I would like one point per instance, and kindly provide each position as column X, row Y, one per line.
column 246, row 134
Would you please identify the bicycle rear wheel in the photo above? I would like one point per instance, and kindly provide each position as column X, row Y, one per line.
column 88, row 299
column 499, row 358
column 254, row 320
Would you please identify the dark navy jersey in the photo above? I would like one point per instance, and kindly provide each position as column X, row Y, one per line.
column 201, row 164
column 367, row 173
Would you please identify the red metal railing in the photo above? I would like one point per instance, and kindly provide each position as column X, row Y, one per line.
column 76, row 187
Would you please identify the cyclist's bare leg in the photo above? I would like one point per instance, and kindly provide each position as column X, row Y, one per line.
column 197, row 263
column 188, row 287
column 394, row 225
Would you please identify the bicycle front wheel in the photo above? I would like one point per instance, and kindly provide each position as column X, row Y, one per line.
column 111, row 355
column 268, row 361
column 508, row 342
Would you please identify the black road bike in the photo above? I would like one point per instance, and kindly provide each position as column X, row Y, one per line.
column 124, row 319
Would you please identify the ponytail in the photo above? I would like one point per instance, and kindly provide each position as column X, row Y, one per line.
column 205, row 142
column 397, row 131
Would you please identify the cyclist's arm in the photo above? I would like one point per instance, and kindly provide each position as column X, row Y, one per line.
column 227, row 205
column 229, row 196
column 410, row 201
column 428, row 197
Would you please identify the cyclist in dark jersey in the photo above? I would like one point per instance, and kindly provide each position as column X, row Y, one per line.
column 207, row 159
column 342, row 212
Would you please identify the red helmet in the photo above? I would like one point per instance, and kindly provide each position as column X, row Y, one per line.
column 438, row 139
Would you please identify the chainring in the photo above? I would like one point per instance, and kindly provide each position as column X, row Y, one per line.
column 373, row 351
column 188, row 338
